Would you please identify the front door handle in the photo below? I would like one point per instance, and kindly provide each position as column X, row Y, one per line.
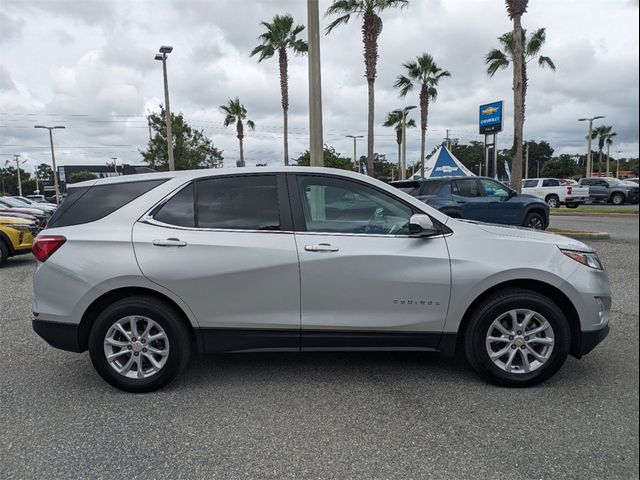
column 170, row 242
column 461, row 202
column 321, row 247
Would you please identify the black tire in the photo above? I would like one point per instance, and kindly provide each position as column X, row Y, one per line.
column 553, row 201
column 535, row 221
column 164, row 315
column 475, row 336
column 4, row 252
column 573, row 205
column 617, row 198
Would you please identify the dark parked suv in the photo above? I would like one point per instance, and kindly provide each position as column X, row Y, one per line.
column 479, row 198
column 612, row 190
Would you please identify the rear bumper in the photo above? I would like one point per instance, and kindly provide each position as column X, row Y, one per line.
column 576, row 199
column 590, row 340
column 59, row 335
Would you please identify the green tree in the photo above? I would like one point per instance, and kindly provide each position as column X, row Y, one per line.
column 191, row 148
column 500, row 59
column 471, row 155
column 332, row 159
column 44, row 173
column 424, row 72
column 604, row 135
column 280, row 36
column 10, row 180
column 394, row 119
column 561, row 167
column 236, row 113
column 82, row 176
column 369, row 11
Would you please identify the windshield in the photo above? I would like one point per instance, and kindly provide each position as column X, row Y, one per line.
column 13, row 202
column 614, row 181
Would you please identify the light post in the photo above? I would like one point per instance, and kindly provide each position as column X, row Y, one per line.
column 53, row 159
column 403, row 162
column 618, row 163
column 356, row 163
column 162, row 56
column 590, row 120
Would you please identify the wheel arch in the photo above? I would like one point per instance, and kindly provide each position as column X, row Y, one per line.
column 94, row 309
column 618, row 192
column 555, row 294
column 7, row 241
column 540, row 211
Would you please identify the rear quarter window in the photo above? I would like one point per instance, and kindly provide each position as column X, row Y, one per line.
column 88, row 204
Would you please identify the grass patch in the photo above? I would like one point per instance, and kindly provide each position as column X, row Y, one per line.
column 591, row 211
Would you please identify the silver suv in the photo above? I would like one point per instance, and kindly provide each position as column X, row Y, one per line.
column 142, row 269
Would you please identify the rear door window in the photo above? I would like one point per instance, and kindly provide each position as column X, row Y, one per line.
column 529, row 183
column 465, row 188
column 179, row 210
column 550, row 182
column 238, row 203
column 88, row 204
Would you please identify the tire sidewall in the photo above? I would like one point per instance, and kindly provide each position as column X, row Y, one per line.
column 528, row 218
column 492, row 310
column 4, row 253
column 166, row 317
column 553, row 199
column 617, row 196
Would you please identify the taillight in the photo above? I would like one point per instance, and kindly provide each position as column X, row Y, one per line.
column 43, row 247
column 569, row 190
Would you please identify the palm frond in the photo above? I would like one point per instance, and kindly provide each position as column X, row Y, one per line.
column 534, row 42
column 404, row 84
column 251, row 124
column 546, row 61
column 338, row 21
column 495, row 60
column 341, row 7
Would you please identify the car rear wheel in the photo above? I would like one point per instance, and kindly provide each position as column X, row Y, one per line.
column 139, row 344
column 517, row 338
column 617, row 198
column 553, row 201
column 573, row 205
column 535, row 221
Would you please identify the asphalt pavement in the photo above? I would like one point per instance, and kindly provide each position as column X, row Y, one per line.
column 324, row 415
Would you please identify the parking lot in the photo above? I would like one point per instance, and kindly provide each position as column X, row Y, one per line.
column 325, row 415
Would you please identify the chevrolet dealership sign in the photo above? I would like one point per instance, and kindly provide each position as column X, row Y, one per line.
column 491, row 118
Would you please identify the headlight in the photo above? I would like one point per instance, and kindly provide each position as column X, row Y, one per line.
column 18, row 226
column 589, row 259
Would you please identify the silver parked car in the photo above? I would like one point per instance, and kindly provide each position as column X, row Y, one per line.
column 142, row 269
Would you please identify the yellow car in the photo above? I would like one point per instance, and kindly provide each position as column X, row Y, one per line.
column 16, row 237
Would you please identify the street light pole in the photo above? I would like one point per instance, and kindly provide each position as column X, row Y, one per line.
column 162, row 56
column 403, row 161
column 356, row 163
column 316, row 146
column 590, row 120
column 618, row 163
column 17, row 158
column 53, row 159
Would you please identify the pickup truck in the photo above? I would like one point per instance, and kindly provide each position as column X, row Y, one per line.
column 611, row 190
column 552, row 191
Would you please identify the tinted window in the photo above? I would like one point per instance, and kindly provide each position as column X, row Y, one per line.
column 88, row 204
column 465, row 188
column 550, row 182
column 494, row 189
column 343, row 206
column 243, row 203
column 431, row 188
column 179, row 209
column 529, row 183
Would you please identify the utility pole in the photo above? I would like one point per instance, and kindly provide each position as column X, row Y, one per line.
column 403, row 161
column 526, row 159
column 53, row 159
column 356, row 163
column 315, row 85
column 589, row 163
column 17, row 157
column 617, row 164
column 37, row 183
column 608, row 159
column 162, row 56
column 446, row 139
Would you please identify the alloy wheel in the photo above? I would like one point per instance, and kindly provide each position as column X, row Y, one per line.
column 136, row 347
column 520, row 341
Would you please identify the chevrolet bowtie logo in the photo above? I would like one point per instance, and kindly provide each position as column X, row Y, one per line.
column 489, row 110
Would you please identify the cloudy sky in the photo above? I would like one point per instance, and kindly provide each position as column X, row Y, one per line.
column 89, row 65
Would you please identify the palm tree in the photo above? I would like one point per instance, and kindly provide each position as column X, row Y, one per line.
column 369, row 11
column 280, row 36
column 604, row 135
column 515, row 10
column 500, row 59
column 609, row 141
column 427, row 74
column 236, row 113
column 394, row 119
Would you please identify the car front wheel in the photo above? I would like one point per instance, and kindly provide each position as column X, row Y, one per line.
column 617, row 199
column 139, row 344
column 517, row 338
column 535, row 221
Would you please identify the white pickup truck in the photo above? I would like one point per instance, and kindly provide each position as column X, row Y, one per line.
column 555, row 192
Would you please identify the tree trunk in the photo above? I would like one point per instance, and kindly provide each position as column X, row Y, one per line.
column 284, row 91
column 399, row 141
column 600, row 161
column 424, row 113
column 240, row 129
column 518, row 104
column 370, row 32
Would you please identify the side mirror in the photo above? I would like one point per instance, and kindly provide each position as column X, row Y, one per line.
column 421, row 225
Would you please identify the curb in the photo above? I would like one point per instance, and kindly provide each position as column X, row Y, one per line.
column 564, row 213
column 578, row 234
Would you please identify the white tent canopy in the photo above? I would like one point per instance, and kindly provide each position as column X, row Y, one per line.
column 444, row 164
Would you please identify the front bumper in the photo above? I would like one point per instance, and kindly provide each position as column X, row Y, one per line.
column 64, row 336
column 590, row 340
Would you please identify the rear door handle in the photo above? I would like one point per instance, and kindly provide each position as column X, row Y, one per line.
column 170, row 242
column 321, row 247
column 461, row 202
